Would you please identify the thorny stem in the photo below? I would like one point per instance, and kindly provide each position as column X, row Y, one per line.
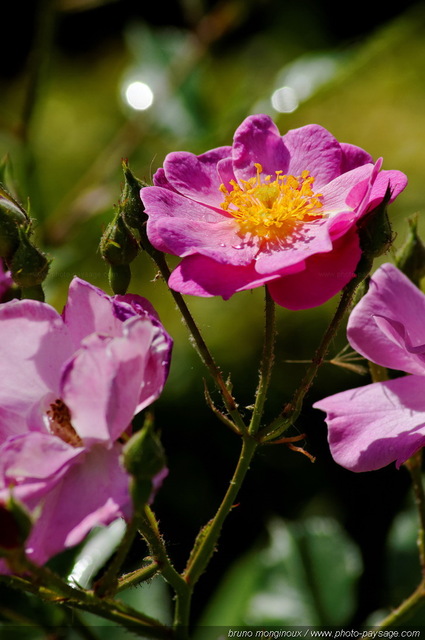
column 292, row 410
column 48, row 586
column 150, row 531
column 414, row 466
column 406, row 609
column 139, row 575
column 267, row 361
column 201, row 346
column 208, row 536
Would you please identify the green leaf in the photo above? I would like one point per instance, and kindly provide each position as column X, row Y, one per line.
column 306, row 574
column 95, row 552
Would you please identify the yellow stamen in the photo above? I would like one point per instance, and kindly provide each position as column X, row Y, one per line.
column 272, row 210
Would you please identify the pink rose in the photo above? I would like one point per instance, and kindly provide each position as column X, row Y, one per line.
column 270, row 209
column 71, row 385
column 384, row 422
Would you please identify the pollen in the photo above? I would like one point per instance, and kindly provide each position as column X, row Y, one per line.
column 59, row 420
column 272, row 209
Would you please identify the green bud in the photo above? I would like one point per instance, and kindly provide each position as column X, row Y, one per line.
column 375, row 233
column 11, row 216
column 15, row 525
column 118, row 246
column 119, row 277
column 11, row 205
column 410, row 258
column 130, row 204
column 144, row 458
column 28, row 265
column 9, row 233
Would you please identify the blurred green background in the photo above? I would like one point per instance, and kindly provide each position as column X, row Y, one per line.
column 66, row 120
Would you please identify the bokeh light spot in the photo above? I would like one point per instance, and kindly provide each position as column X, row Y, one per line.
column 139, row 95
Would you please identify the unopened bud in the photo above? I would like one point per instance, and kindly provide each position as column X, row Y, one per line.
column 131, row 205
column 144, row 459
column 11, row 216
column 28, row 265
column 410, row 258
column 375, row 233
column 9, row 234
column 119, row 277
column 119, row 247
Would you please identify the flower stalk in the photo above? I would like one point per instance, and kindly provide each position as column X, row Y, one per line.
column 137, row 576
column 148, row 527
column 267, row 361
column 49, row 586
column 208, row 536
column 292, row 410
column 201, row 347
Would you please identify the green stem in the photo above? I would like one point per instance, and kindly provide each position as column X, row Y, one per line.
column 267, row 361
column 150, row 531
column 200, row 344
column 406, row 609
column 292, row 410
column 208, row 537
column 139, row 575
column 50, row 587
column 414, row 466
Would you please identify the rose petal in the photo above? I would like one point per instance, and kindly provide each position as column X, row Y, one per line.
column 35, row 344
column 160, row 203
column 391, row 296
column 94, row 492
column 160, row 180
column 375, row 425
column 219, row 241
column 353, row 157
column 89, row 310
column 196, row 176
column 312, row 148
column 200, row 276
column 311, row 239
column 323, row 277
column 395, row 180
column 347, row 191
column 105, row 384
column 34, row 456
column 257, row 140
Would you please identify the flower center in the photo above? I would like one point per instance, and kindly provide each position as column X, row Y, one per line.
column 59, row 418
column 272, row 209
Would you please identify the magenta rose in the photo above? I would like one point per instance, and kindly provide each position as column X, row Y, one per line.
column 270, row 209
column 383, row 422
column 71, row 385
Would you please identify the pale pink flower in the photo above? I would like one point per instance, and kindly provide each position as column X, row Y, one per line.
column 71, row 385
column 271, row 209
column 383, row 422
